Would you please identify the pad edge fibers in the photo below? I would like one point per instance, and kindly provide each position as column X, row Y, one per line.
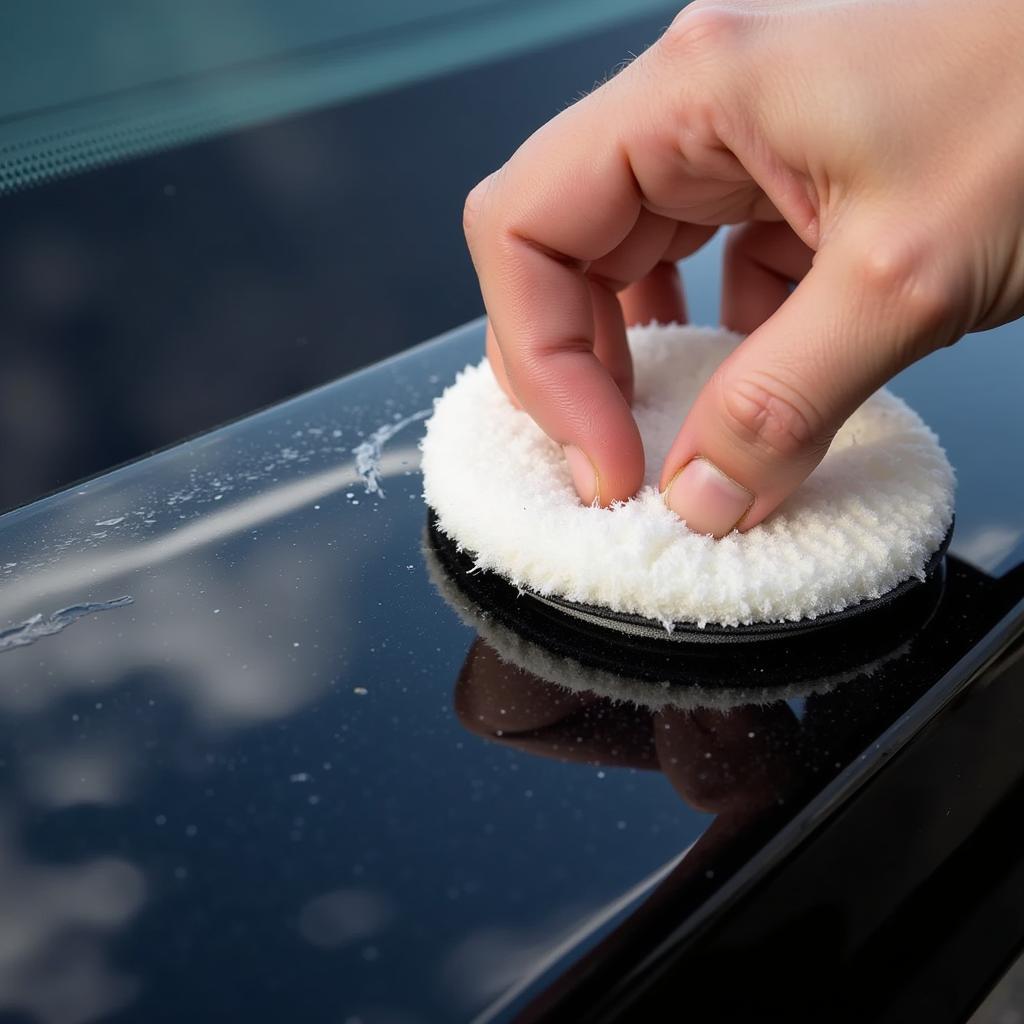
column 866, row 520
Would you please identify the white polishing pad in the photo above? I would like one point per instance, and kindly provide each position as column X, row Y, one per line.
column 868, row 518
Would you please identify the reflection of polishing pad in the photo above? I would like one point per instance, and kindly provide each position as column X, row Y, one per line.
column 868, row 518
column 585, row 657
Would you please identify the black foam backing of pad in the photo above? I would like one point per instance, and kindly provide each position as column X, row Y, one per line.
column 759, row 632
column 719, row 656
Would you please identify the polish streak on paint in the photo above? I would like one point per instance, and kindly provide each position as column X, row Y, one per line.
column 38, row 626
column 368, row 453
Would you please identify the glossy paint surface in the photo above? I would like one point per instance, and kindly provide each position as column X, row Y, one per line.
column 261, row 757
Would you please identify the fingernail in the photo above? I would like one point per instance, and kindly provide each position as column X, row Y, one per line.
column 584, row 474
column 708, row 500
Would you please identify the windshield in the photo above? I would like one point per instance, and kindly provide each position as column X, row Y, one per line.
column 83, row 84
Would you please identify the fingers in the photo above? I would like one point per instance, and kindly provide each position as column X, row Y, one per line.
column 632, row 261
column 610, row 345
column 762, row 263
column 865, row 310
column 498, row 365
column 642, row 271
column 531, row 245
column 657, row 296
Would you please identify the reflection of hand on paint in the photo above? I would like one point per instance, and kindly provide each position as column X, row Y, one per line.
column 825, row 132
column 733, row 763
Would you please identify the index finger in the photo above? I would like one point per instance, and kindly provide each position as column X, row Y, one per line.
column 533, row 230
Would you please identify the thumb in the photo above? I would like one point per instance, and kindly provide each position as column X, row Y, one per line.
column 768, row 415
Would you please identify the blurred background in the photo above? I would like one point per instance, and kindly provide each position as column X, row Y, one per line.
column 206, row 207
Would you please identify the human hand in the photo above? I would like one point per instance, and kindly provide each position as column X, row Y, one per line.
column 871, row 150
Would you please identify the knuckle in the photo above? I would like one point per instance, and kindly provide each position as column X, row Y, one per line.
column 547, row 375
column 703, row 43
column 898, row 276
column 886, row 268
column 536, row 363
column 700, row 33
column 768, row 414
column 902, row 272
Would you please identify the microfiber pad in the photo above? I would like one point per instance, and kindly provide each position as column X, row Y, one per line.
column 867, row 519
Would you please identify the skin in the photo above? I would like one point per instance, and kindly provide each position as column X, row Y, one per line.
column 869, row 151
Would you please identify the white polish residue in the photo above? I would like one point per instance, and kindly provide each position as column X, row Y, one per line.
column 368, row 453
column 39, row 625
